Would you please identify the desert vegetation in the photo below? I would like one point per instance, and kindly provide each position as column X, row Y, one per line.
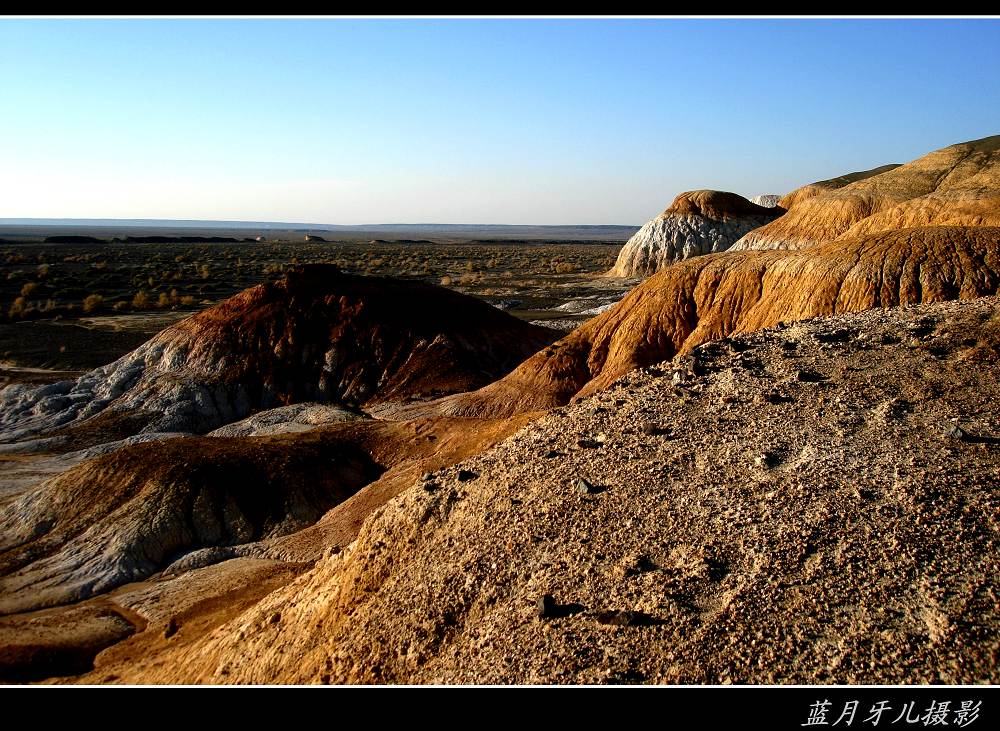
column 43, row 281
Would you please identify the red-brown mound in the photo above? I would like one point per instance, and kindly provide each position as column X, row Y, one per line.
column 322, row 334
column 718, row 205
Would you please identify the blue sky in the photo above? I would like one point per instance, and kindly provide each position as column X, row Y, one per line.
column 468, row 121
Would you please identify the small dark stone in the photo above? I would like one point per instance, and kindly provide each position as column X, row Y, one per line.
column 427, row 476
column 171, row 629
column 466, row 475
column 551, row 453
column 546, row 606
column 275, row 618
column 588, row 443
column 624, row 618
column 431, row 486
column 650, row 428
column 773, row 397
column 840, row 335
column 809, row 376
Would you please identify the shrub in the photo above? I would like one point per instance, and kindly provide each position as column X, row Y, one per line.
column 92, row 302
column 445, row 281
column 141, row 300
column 28, row 288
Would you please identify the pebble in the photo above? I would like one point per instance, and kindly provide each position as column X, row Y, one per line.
column 622, row 618
column 808, row 376
column 585, row 486
column 954, row 431
column 466, row 475
column 171, row 629
column 546, row 606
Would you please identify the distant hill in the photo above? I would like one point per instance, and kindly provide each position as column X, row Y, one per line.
column 41, row 228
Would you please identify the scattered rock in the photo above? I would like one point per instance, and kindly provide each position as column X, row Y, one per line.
column 546, row 606
column 584, row 486
column 171, row 628
column 954, row 431
column 625, row 618
column 806, row 376
column 466, row 475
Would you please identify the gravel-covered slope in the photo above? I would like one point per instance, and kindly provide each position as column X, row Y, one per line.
column 811, row 503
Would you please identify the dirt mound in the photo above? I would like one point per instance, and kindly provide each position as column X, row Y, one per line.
column 697, row 222
column 954, row 186
column 124, row 516
column 817, row 505
column 315, row 335
column 710, row 297
column 715, row 204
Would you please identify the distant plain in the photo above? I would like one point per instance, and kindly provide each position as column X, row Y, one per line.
column 69, row 307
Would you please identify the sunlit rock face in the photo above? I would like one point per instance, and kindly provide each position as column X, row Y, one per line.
column 697, row 222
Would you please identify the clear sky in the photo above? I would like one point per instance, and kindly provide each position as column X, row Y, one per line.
column 579, row 121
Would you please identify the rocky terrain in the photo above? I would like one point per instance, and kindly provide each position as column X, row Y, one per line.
column 709, row 297
column 697, row 222
column 315, row 335
column 760, row 466
column 954, row 186
column 752, row 519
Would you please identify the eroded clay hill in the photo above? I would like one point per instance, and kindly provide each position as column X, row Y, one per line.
column 710, row 297
column 316, row 335
column 184, row 503
column 958, row 185
column 817, row 504
column 697, row 222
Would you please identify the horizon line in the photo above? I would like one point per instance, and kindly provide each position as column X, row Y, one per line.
column 76, row 221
